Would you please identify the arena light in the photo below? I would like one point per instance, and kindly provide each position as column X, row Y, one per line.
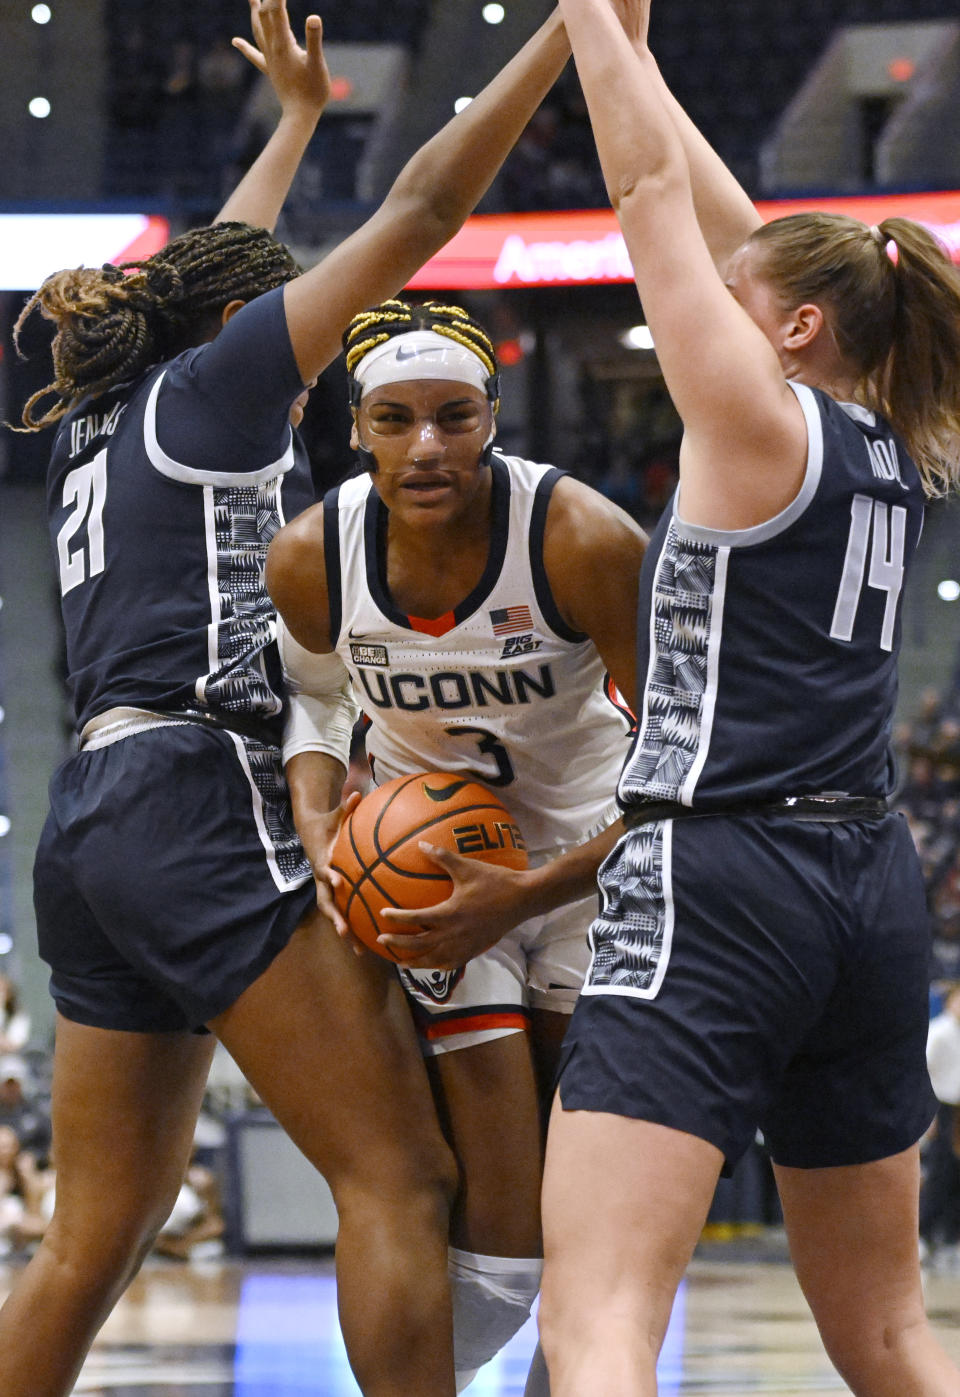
column 36, row 244
column 948, row 589
column 41, row 14
column 6, row 943
column 494, row 14
column 586, row 247
column 38, row 107
column 4, row 825
column 902, row 69
column 461, row 103
column 341, row 88
column 637, row 337
column 509, row 352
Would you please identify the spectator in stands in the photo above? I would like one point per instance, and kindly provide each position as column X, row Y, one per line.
column 16, row 1173
column 195, row 1227
column 18, row 1109
column 14, row 1021
column 26, row 1194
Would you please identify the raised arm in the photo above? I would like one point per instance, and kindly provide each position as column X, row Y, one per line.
column 431, row 198
column 300, row 79
column 725, row 212
column 744, row 447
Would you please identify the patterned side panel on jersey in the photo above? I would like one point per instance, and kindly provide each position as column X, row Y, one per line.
column 630, row 939
column 673, row 730
column 244, row 520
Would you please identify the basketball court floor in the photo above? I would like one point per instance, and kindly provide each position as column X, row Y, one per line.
column 267, row 1327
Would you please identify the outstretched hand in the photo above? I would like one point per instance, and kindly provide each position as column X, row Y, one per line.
column 299, row 76
column 486, row 902
column 634, row 15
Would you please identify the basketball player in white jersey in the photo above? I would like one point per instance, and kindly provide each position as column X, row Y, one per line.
column 171, row 890
column 481, row 605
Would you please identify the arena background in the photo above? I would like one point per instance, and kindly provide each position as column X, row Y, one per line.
column 124, row 107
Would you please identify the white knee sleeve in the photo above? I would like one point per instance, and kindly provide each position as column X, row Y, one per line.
column 492, row 1299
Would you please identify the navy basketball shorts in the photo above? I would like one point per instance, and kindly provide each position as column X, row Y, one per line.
column 167, row 878
column 760, row 971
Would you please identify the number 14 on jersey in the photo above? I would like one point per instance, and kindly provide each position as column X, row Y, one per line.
column 888, row 526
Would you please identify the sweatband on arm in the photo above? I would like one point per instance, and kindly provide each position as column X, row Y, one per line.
column 322, row 711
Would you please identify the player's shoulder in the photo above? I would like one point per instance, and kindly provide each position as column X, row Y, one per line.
column 579, row 512
column 297, row 549
column 295, row 571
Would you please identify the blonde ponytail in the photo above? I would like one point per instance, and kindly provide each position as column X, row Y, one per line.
column 893, row 297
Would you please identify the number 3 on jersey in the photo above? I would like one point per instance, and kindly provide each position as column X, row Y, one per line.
column 490, row 746
column 86, row 489
column 889, row 526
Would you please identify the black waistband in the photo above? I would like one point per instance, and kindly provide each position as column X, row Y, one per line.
column 264, row 730
column 817, row 807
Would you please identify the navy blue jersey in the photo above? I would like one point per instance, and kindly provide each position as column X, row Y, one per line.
column 163, row 495
column 768, row 656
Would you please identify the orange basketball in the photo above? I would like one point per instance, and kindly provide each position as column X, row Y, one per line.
column 377, row 853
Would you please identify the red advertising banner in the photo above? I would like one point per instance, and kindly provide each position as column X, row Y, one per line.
column 500, row 251
column 491, row 251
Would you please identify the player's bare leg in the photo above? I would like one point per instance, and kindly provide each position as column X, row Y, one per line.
column 124, row 1110
column 487, row 1099
column 853, row 1239
column 326, row 1039
column 547, row 1031
column 624, row 1202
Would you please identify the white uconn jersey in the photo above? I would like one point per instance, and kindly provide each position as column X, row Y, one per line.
column 500, row 687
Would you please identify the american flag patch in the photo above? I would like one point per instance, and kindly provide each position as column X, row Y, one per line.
column 510, row 620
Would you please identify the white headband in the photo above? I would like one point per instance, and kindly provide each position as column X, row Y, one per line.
column 420, row 354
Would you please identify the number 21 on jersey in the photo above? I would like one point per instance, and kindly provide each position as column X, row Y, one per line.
column 81, row 554
column 888, row 526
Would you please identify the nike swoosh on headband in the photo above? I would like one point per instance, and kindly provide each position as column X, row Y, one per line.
column 413, row 353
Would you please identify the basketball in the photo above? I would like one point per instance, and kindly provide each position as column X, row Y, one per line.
column 377, row 852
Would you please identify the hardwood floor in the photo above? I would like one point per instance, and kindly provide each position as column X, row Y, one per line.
column 266, row 1327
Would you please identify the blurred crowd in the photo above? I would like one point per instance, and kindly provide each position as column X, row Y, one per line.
column 196, row 1226
column 928, row 747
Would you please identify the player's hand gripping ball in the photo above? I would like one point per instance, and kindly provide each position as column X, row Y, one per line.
column 378, row 856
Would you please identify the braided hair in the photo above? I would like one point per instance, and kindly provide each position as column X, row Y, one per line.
column 392, row 318
column 114, row 322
